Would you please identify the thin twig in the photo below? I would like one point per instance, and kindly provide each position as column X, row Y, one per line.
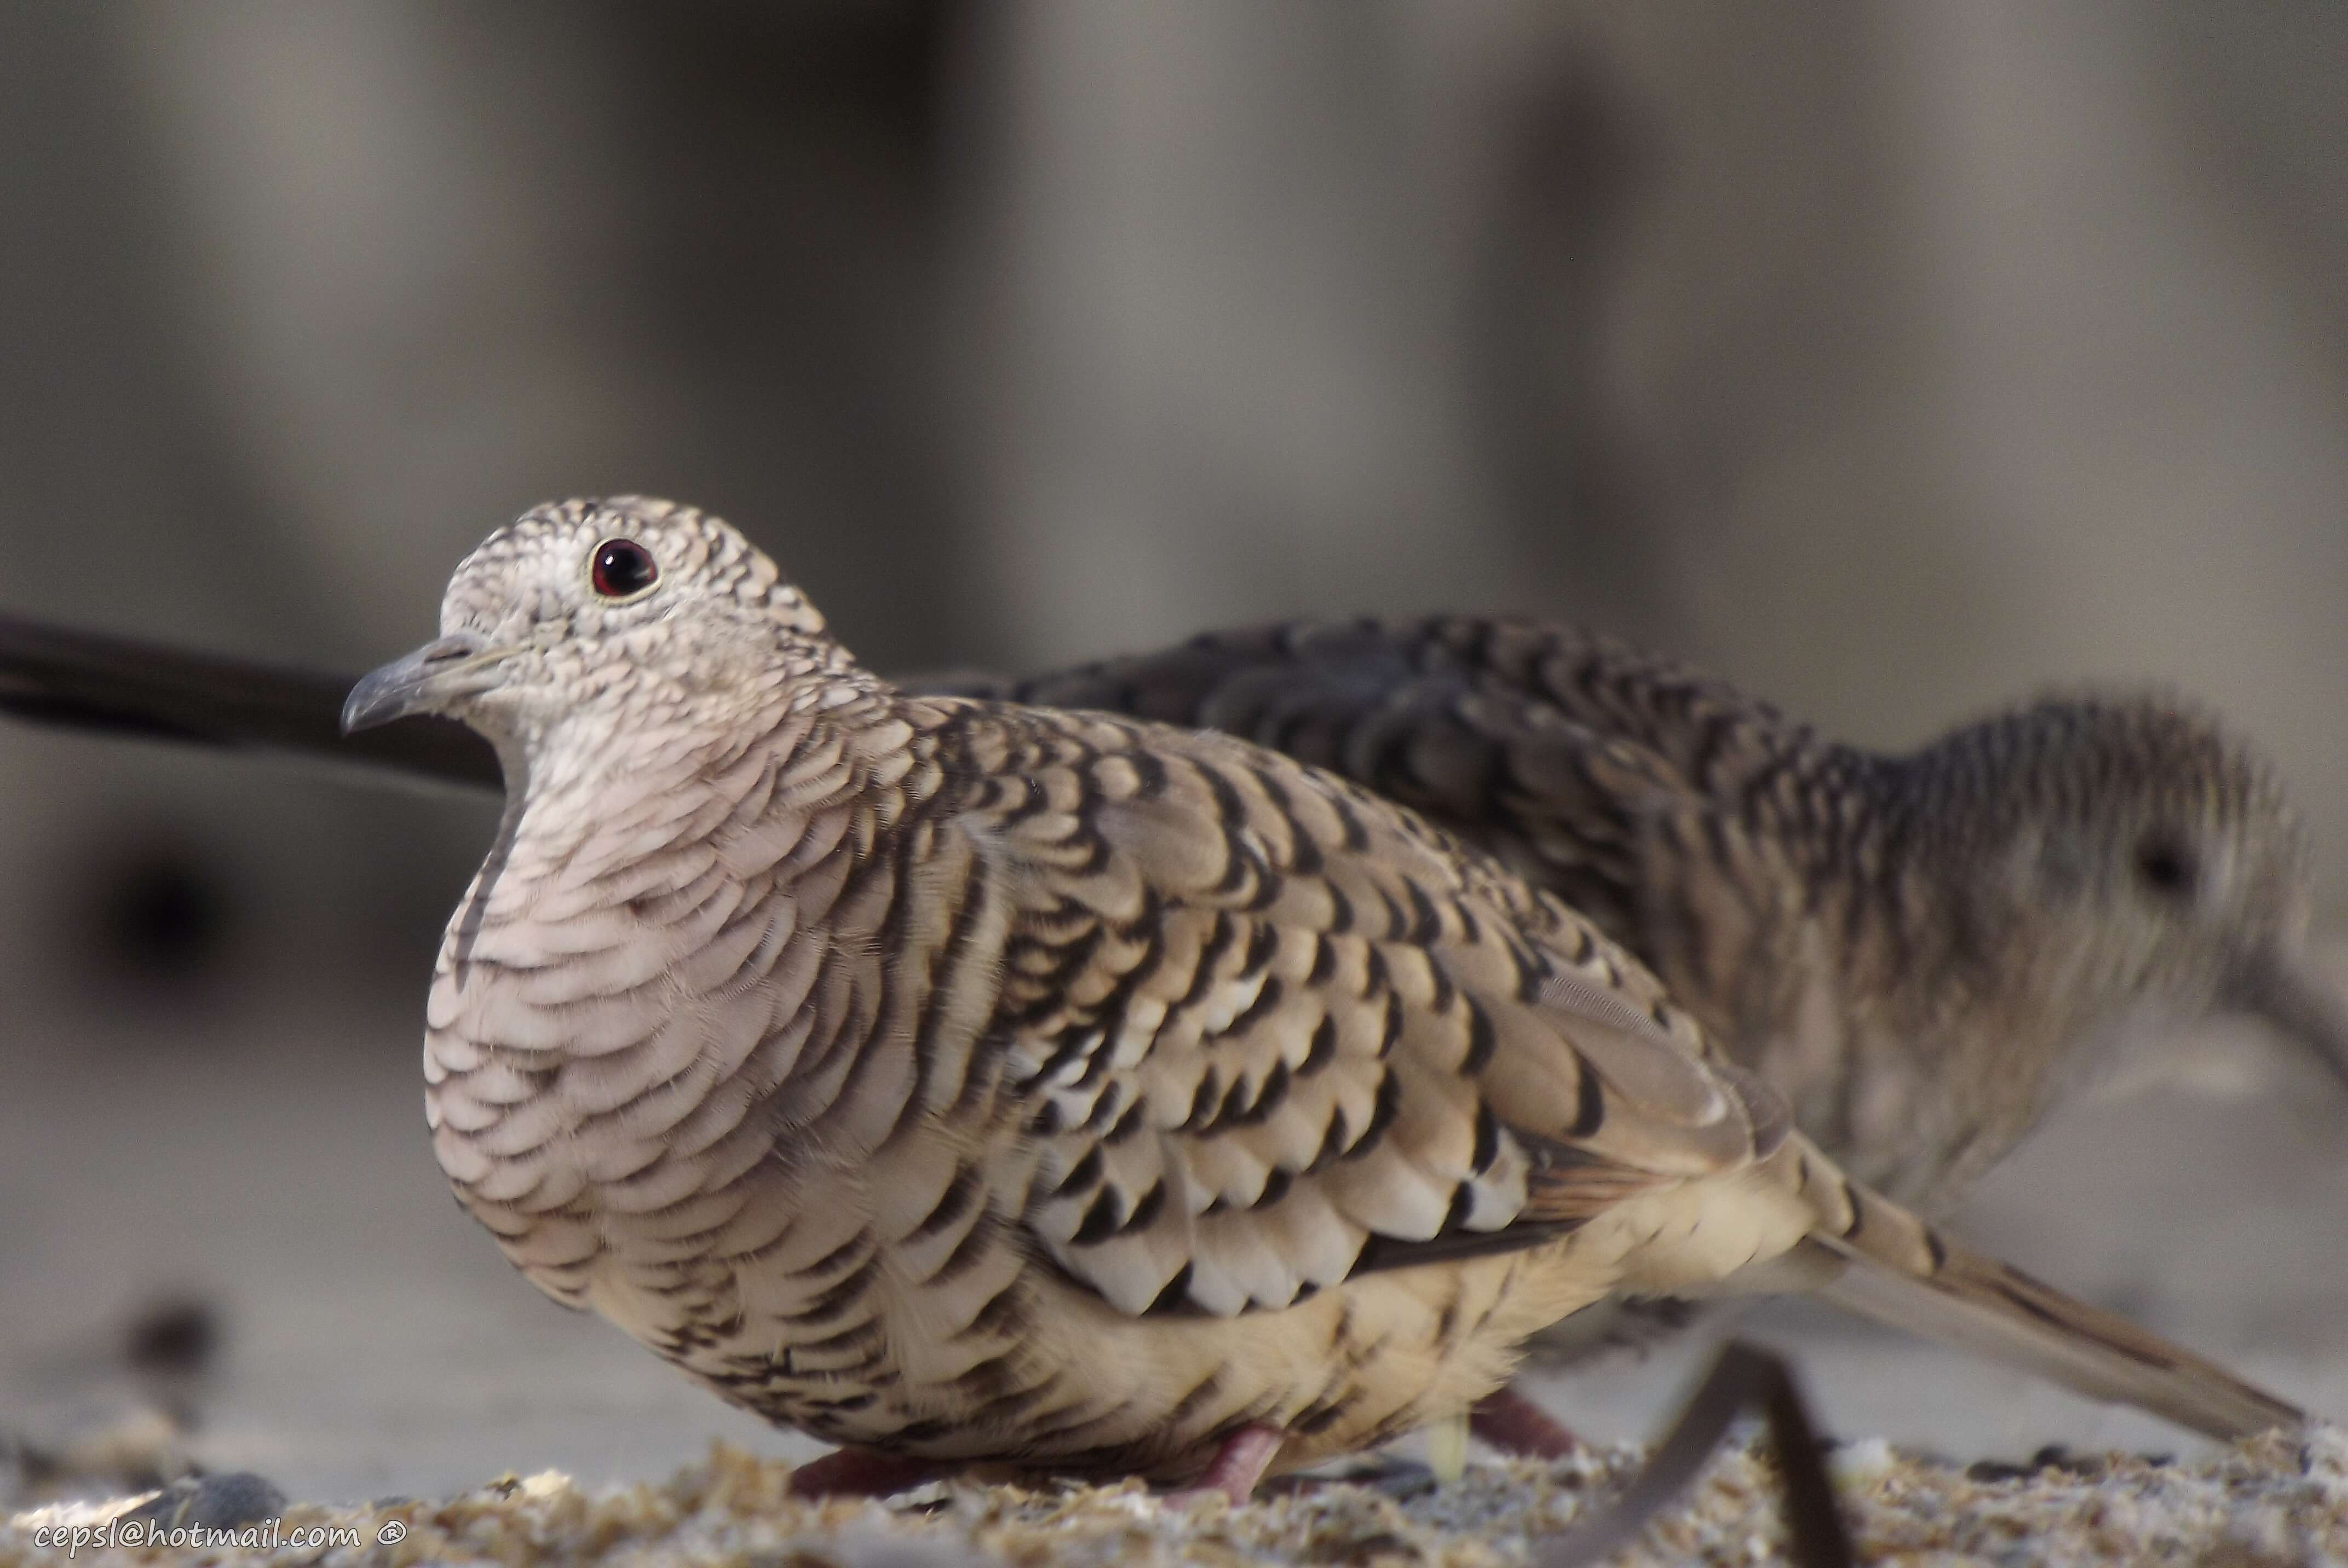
column 1745, row 1377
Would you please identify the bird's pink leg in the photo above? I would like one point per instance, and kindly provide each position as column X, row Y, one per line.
column 1516, row 1426
column 863, row 1472
column 1238, row 1465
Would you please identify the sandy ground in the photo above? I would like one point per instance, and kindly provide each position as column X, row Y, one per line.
column 2269, row 1502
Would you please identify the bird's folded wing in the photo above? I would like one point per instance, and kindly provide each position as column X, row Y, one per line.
column 1268, row 1031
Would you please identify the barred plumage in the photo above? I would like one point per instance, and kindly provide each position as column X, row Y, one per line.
column 1925, row 952
column 973, row 1081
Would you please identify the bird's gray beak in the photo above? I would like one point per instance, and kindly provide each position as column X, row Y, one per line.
column 2288, row 993
column 420, row 683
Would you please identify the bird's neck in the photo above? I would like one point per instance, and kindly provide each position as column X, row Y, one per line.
column 1910, row 855
column 1938, row 952
column 1855, row 925
column 645, row 730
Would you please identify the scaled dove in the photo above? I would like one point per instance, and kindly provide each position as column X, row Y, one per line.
column 965, row 1080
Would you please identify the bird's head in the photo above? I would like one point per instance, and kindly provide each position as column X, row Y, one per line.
column 2148, row 860
column 628, row 610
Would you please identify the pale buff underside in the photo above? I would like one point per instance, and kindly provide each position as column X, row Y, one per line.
column 1389, row 1352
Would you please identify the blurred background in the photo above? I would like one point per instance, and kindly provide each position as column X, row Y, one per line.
column 1896, row 360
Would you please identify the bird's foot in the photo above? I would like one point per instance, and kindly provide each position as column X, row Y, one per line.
column 864, row 1472
column 1237, row 1466
column 1517, row 1427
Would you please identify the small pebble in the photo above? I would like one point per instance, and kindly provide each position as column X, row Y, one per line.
column 1862, row 1462
column 226, row 1502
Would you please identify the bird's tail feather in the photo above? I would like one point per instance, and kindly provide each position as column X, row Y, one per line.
column 1882, row 1261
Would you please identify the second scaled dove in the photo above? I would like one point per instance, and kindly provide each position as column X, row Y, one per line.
column 1926, row 952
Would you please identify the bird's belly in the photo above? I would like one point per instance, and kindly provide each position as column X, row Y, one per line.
column 841, row 1305
column 1051, row 1375
column 1018, row 1364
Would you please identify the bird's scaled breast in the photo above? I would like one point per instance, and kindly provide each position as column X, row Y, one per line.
column 912, row 1314
column 569, row 1074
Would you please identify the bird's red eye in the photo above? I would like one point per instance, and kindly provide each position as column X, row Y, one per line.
column 623, row 568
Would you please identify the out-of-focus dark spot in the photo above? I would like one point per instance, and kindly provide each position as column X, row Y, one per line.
column 155, row 914
column 1993, row 1472
column 164, row 915
column 177, row 1337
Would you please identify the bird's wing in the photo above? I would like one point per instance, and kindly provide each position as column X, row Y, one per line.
column 1267, row 1029
column 1659, row 803
column 93, row 681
